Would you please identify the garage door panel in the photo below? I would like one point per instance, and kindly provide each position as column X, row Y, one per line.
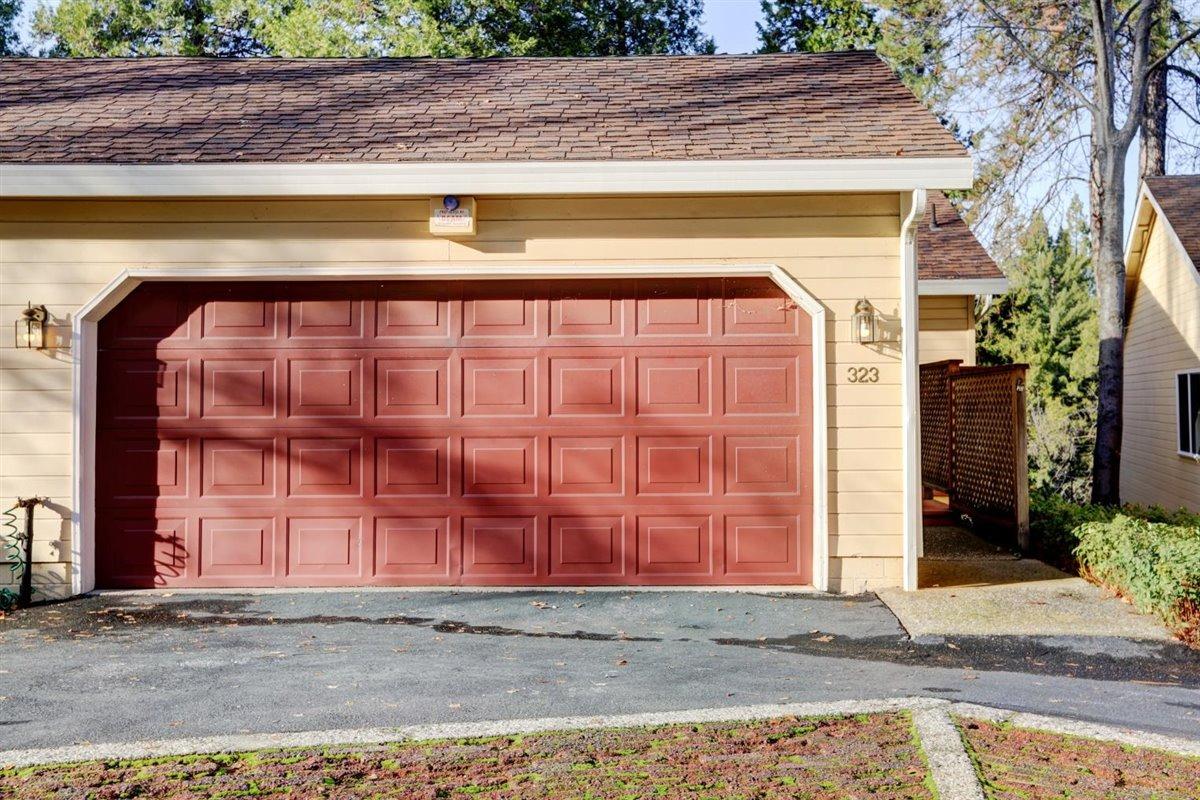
column 674, row 385
column 587, row 547
column 418, row 466
column 145, row 389
column 587, row 466
column 578, row 432
column 325, row 467
column 760, row 545
column 413, row 548
column 238, row 388
column 587, row 385
column 500, row 547
column 412, row 386
column 675, row 545
column 150, row 468
column 237, row 467
column 324, row 549
column 328, row 321
column 674, row 465
column 237, row 550
column 499, row 466
column 499, row 386
column 247, row 319
column 320, row 388
column 148, row 551
column 420, row 314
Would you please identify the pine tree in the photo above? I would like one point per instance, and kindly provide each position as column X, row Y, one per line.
column 328, row 28
column 1048, row 321
column 10, row 41
column 816, row 26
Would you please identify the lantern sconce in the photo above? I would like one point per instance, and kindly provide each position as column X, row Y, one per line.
column 866, row 323
column 31, row 328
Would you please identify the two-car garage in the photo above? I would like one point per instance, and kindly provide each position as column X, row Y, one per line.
column 617, row 431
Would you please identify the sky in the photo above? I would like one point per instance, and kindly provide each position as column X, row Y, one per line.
column 731, row 24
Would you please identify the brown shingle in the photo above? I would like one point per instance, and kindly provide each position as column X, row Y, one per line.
column 834, row 105
column 1179, row 198
column 946, row 247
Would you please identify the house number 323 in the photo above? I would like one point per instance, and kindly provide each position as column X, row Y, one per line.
column 863, row 374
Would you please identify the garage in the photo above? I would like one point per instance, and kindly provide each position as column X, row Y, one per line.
column 590, row 432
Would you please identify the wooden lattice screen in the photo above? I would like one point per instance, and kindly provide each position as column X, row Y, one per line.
column 937, row 426
column 977, row 446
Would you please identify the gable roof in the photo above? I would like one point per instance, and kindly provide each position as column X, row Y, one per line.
column 189, row 110
column 1179, row 198
column 1176, row 199
column 947, row 250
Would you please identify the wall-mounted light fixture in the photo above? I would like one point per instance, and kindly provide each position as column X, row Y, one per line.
column 866, row 324
column 31, row 328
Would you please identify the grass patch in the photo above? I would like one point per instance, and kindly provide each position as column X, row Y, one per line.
column 1019, row 764
column 825, row 757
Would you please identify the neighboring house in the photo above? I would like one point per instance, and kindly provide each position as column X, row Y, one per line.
column 511, row 321
column 1160, row 447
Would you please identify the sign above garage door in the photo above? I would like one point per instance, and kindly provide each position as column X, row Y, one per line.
column 401, row 433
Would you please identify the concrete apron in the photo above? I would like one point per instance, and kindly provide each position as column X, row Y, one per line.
column 949, row 764
column 972, row 588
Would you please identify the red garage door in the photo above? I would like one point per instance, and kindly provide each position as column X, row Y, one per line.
column 535, row 432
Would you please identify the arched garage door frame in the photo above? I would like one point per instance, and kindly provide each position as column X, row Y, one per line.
column 84, row 345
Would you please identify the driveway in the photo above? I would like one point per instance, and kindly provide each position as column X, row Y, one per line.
column 119, row 667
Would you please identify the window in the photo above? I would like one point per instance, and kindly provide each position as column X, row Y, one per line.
column 1187, row 400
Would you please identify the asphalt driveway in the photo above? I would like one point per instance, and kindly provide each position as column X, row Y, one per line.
column 118, row 667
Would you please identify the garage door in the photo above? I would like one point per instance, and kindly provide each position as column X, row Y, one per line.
column 535, row 432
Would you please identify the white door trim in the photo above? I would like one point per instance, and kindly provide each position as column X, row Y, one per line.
column 84, row 345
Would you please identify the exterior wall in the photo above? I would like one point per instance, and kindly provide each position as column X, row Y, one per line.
column 840, row 248
column 947, row 328
column 1163, row 337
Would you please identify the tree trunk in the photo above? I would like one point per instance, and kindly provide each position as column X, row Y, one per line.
column 1153, row 157
column 1108, row 261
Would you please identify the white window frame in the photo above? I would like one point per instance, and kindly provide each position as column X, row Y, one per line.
column 1195, row 454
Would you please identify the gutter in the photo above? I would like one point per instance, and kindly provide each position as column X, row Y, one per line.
column 316, row 179
column 913, row 209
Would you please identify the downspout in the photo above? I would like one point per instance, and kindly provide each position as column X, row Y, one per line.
column 912, row 210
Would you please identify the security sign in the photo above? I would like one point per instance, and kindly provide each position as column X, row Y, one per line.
column 452, row 215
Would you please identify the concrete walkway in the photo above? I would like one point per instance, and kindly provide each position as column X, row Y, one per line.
column 972, row 588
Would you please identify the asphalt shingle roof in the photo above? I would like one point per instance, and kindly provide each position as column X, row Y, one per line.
column 1179, row 198
column 177, row 110
column 946, row 247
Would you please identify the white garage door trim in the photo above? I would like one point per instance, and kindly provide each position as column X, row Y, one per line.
column 84, row 345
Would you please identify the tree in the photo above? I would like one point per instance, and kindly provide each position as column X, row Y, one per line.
column 816, row 26
column 1059, row 91
column 603, row 27
column 371, row 27
column 1048, row 321
column 10, row 40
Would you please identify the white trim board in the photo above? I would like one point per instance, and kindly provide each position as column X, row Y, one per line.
column 486, row 177
column 940, row 287
column 84, row 344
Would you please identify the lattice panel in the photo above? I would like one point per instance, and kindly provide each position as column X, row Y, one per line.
column 990, row 473
column 937, row 425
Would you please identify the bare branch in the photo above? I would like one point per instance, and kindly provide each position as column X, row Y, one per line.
column 1059, row 76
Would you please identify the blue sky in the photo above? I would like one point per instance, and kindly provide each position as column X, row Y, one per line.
column 731, row 24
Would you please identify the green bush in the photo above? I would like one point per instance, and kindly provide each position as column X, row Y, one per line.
column 1055, row 523
column 1156, row 565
